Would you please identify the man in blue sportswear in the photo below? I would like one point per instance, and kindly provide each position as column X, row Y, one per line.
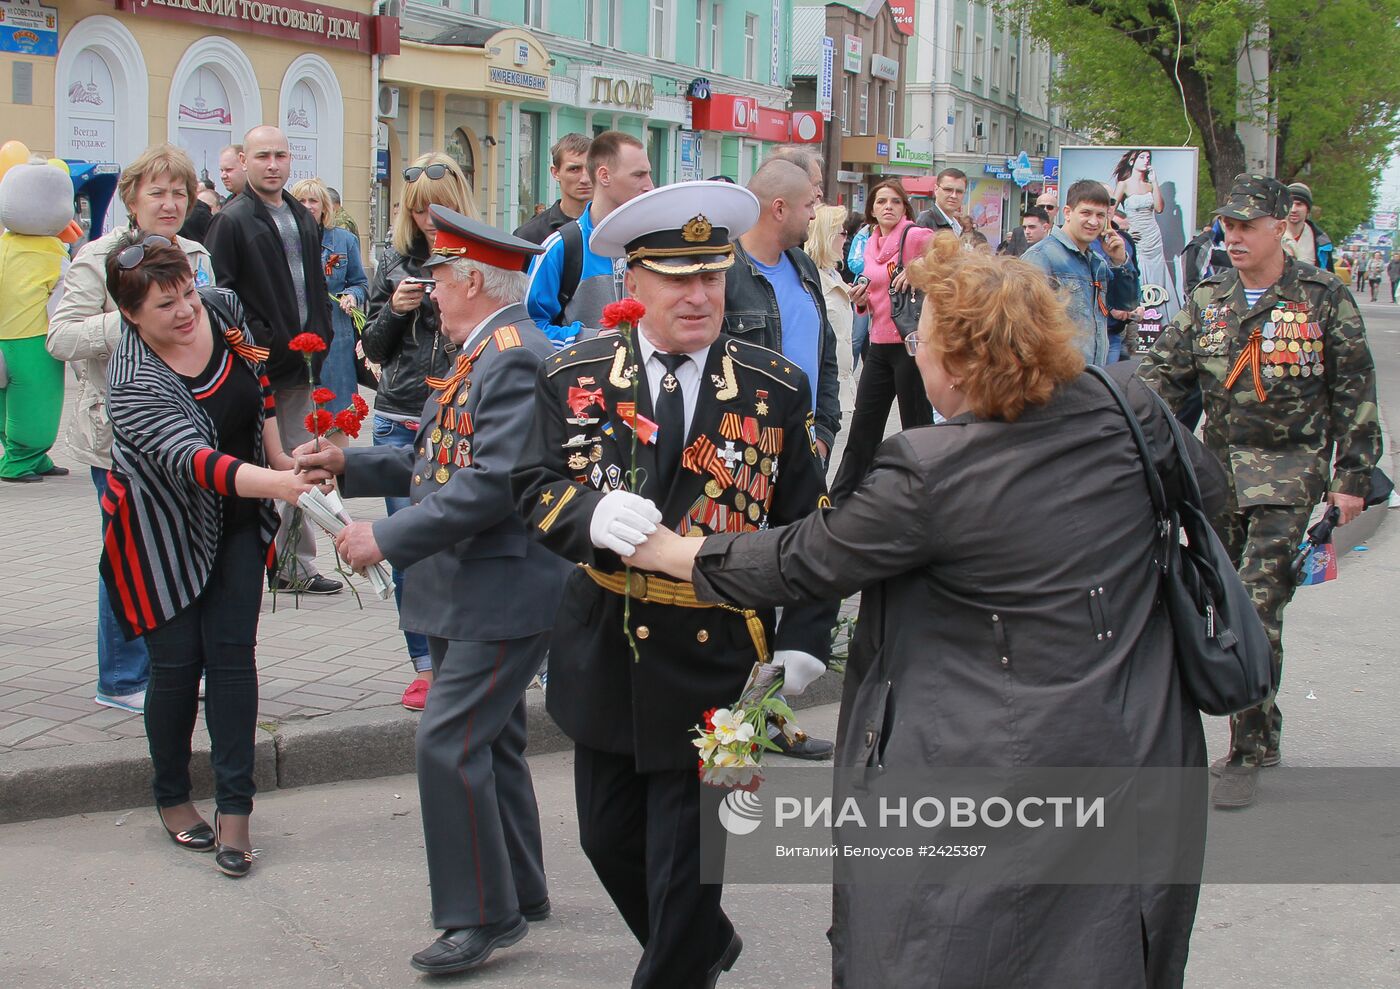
column 569, row 284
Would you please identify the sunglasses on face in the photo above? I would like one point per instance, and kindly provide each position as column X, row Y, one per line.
column 434, row 172
column 132, row 256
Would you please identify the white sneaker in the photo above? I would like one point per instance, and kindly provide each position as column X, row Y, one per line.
column 135, row 703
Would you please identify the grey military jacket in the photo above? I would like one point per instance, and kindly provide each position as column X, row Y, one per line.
column 470, row 571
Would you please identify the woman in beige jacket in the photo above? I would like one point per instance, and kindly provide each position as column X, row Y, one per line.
column 157, row 190
column 826, row 246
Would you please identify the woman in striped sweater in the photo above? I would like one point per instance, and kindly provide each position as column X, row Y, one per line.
column 187, row 525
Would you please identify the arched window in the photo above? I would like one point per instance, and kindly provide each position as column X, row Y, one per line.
column 204, row 121
column 214, row 101
column 311, row 111
column 462, row 148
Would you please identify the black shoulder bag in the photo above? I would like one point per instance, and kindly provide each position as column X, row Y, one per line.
column 904, row 306
column 1222, row 650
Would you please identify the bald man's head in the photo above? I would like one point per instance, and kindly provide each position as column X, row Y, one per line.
column 787, row 202
column 267, row 159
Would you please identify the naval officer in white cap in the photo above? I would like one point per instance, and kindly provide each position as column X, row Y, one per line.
column 724, row 444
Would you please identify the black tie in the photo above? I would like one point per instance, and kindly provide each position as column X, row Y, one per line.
column 670, row 418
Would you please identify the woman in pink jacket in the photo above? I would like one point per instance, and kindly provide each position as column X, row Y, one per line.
column 889, row 371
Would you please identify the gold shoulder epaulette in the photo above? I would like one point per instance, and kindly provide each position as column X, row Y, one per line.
column 506, row 338
column 768, row 363
column 585, row 352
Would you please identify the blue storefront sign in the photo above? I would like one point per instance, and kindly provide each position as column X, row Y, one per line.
column 27, row 27
column 1051, row 170
column 882, row 149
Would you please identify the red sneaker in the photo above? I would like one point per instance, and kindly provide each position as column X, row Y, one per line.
column 415, row 698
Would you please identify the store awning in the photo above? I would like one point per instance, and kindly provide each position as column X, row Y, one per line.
column 922, row 185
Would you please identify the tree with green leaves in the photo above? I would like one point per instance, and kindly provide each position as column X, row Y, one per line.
column 1330, row 99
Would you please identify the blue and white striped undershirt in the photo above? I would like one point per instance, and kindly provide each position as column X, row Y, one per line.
column 1252, row 295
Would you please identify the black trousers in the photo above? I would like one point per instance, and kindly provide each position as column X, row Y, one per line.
column 641, row 832
column 890, row 374
column 214, row 636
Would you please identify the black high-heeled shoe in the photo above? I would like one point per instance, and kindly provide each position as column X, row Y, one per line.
column 199, row 838
column 233, row 862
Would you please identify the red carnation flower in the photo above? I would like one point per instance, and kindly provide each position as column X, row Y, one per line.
column 348, row 423
column 306, row 343
column 628, row 311
column 709, row 717
column 322, row 396
column 360, row 406
column 318, row 423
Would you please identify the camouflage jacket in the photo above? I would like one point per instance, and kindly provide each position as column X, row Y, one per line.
column 1283, row 383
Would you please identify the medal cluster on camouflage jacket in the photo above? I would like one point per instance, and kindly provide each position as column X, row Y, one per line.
column 1288, row 385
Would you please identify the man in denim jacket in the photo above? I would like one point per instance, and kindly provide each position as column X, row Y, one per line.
column 1094, row 285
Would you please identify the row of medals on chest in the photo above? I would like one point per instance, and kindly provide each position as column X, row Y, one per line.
column 1291, row 345
column 446, row 447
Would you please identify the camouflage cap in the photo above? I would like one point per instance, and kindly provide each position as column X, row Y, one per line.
column 1253, row 196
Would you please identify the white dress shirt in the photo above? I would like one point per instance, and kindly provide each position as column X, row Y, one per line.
column 688, row 374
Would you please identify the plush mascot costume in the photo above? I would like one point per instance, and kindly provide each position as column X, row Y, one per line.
column 36, row 210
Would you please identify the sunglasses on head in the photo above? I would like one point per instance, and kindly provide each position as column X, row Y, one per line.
column 412, row 173
column 132, row 256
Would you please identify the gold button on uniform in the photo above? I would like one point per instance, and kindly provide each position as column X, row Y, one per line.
column 643, row 632
column 417, row 478
column 702, row 636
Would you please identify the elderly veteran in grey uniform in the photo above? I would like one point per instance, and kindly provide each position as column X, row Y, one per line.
column 483, row 593
column 723, row 443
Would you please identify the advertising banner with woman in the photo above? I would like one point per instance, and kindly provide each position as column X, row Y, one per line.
column 1155, row 189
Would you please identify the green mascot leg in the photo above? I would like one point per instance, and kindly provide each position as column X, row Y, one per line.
column 30, row 407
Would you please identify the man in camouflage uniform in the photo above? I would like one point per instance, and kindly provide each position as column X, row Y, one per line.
column 1279, row 352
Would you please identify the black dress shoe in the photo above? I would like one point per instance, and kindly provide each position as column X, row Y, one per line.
column 726, row 961
column 199, row 838
column 804, row 746
column 467, row 947
column 538, row 912
column 24, row 479
column 54, row 471
column 232, row 862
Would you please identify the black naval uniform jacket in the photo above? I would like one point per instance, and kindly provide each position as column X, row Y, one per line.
column 750, row 462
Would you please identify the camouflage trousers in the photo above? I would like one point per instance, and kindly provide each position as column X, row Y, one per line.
column 1262, row 541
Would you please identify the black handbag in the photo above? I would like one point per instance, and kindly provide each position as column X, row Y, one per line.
column 1222, row 651
column 904, row 306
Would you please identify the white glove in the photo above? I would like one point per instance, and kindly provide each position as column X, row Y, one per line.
column 799, row 669
column 622, row 521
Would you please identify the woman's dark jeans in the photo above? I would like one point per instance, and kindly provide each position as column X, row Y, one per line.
column 213, row 636
column 890, row 374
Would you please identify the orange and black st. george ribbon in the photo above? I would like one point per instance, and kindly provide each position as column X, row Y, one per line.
column 1252, row 357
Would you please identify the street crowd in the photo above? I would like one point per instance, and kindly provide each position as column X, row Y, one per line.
column 632, row 505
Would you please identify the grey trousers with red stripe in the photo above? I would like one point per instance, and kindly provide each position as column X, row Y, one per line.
column 481, row 825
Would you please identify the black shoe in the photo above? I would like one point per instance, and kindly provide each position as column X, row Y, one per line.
column 54, row 471
column 804, row 746
column 1237, row 786
column 467, row 947
column 199, row 838
column 1272, row 757
column 24, row 479
column 314, row 585
column 726, row 961
column 232, row 862
column 536, row 913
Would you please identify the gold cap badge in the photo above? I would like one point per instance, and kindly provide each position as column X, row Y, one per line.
column 697, row 230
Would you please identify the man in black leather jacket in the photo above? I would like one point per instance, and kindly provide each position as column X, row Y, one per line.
column 751, row 306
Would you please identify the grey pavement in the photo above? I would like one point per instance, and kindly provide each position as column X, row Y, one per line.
column 339, row 898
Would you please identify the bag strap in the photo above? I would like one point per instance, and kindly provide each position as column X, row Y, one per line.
column 1154, row 480
column 572, row 236
column 902, row 238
